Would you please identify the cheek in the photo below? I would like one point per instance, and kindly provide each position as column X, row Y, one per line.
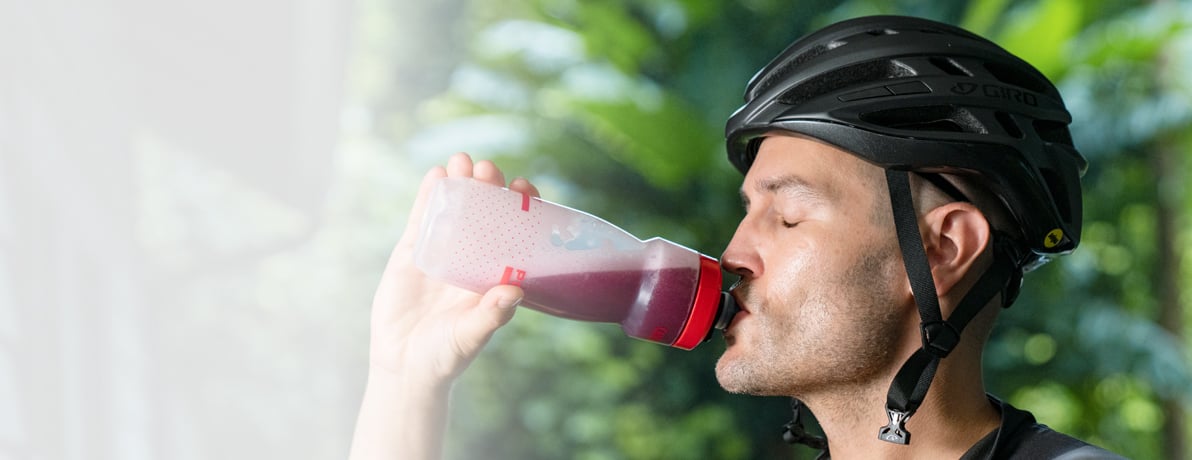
column 799, row 269
column 797, row 283
column 814, row 287
column 788, row 281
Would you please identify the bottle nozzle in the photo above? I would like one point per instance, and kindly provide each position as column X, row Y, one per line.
column 724, row 315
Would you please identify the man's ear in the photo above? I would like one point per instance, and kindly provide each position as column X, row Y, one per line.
column 954, row 236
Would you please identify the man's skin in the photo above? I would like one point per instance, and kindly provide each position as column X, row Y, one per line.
column 423, row 334
column 828, row 314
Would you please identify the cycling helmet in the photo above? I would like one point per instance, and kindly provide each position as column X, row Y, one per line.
column 912, row 95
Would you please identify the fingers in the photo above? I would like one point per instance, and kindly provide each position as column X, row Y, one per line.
column 487, row 171
column 428, row 183
column 459, row 165
column 495, row 309
column 522, row 185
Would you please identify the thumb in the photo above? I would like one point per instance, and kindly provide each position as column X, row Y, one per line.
column 494, row 310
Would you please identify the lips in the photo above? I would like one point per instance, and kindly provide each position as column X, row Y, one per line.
column 742, row 311
column 738, row 294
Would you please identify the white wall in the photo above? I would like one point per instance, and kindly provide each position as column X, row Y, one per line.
column 189, row 229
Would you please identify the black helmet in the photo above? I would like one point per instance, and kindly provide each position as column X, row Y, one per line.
column 917, row 96
column 912, row 94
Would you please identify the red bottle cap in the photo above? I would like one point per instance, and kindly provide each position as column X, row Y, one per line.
column 703, row 309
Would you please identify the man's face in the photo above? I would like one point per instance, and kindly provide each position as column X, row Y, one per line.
column 822, row 284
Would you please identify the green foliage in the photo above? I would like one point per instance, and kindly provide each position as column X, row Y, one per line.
column 1039, row 34
column 617, row 107
column 982, row 15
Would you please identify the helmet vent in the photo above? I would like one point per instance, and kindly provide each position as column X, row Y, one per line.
column 937, row 118
column 806, row 56
column 1053, row 131
column 1020, row 78
column 865, row 72
column 783, row 70
column 950, row 67
column 1009, row 125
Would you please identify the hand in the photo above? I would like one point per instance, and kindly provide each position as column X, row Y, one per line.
column 425, row 330
column 424, row 333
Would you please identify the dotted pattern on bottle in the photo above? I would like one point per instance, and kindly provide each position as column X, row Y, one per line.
column 571, row 263
column 491, row 233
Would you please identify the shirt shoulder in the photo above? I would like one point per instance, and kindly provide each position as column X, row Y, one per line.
column 1037, row 441
column 1022, row 438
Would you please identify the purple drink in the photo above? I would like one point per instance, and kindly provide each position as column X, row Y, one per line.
column 570, row 263
column 650, row 304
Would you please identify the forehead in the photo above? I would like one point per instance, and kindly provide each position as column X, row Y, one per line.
column 830, row 171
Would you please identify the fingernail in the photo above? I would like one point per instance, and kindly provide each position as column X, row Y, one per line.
column 508, row 302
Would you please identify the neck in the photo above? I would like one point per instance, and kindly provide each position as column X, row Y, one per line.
column 955, row 415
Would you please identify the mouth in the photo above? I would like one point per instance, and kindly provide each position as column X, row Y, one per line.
column 739, row 299
column 737, row 319
column 742, row 310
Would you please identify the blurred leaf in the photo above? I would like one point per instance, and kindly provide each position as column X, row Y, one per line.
column 982, row 15
column 1039, row 34
column 612, row 33
column 666, row 144
column 1137, row 37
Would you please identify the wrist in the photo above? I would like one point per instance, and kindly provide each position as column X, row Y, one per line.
column 400, row 417
column 382, row 377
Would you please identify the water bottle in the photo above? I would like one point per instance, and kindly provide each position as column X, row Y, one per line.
column 570, row 263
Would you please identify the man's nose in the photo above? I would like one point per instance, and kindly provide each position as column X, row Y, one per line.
column 741, row 257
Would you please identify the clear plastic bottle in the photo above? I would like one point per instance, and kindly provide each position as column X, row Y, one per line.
column 570, row 263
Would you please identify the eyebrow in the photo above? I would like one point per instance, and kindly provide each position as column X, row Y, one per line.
column 791, row 186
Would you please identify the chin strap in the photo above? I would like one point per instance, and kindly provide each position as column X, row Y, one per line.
column 794, row 432
column 939, row 335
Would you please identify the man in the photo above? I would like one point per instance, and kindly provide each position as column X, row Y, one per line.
column 900, row 176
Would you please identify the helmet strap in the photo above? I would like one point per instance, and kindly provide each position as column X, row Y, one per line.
column 794, row 432
column 940, row 336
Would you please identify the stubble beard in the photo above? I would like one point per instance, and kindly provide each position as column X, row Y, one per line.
column 838, row 340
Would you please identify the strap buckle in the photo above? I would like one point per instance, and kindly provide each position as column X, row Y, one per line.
column 939, row 337
column 794, row 432
column 896, row 431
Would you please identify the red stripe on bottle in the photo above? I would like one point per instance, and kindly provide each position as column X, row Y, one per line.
column 705, row 306
column 513, row 276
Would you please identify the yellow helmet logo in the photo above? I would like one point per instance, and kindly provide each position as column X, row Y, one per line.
column 1053, row 238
